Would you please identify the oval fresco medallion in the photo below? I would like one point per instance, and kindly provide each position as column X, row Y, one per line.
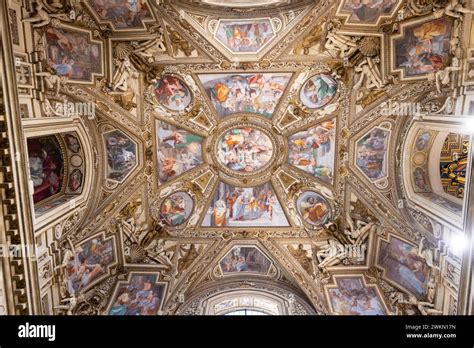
column 176, row 209
column 313, row 208
column 318, row 91
column 172, row 93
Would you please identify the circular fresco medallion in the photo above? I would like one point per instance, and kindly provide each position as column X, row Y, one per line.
column 419, row 158
column 244, row 149
column 318, row 91
column 176, row 209
column 313, row 208
column 172, row 93
column 76, row 160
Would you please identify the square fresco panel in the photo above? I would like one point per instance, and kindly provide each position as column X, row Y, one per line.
column 352, row 297
column 123, row 14
column 312, row 150
column 253, row 93
column 178, row 151
column 424, row 47
column 403, row 266
column 245, row 207
column 367, row 11
column 140, row 296
column 245, row 36
column 371, row 155
column 71, row 53
column 121, row 155
column 91, row 260
column 46, row 166
column 243, row 259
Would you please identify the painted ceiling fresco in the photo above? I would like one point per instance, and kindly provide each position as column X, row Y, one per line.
column 246, row 156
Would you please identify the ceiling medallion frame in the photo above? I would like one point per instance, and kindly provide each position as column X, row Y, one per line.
column 256, row 177
column 330, row 209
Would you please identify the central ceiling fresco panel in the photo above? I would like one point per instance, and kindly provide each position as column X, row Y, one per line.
column 234, row 93
column 244, row 149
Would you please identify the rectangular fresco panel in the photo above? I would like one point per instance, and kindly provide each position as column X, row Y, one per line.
column 352, row 297
column 70, row 53
column 121, row 155
column 123, row 14
column 244, row 207
column 372, row 152
column 46, row 166
column 424, row 47
column 253, row 93
column 368, row 11
column 178, row 151
column 140, row 296
column 243, row 260
column 245, row 36
column 91, row 260
column 312, row 150
column 402, row 265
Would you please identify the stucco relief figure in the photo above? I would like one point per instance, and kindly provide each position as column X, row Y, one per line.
column 124, row 72
column 426, row 254
column 369, row 75
column 454, row 9
column 68, row 305
column 52, row 81
column 42, row 18
column 445, row 77
column 152, row 49
column 339, row 44
column 357, row 233
column 425, row 308
column 330, row 254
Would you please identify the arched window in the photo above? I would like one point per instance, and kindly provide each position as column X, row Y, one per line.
column 56, row 164
column 436, row 170
column 246, row 312
column 246, row 303
column 59, row 156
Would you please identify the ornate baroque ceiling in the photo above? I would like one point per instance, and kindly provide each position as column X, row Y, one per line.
column 281, row 156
